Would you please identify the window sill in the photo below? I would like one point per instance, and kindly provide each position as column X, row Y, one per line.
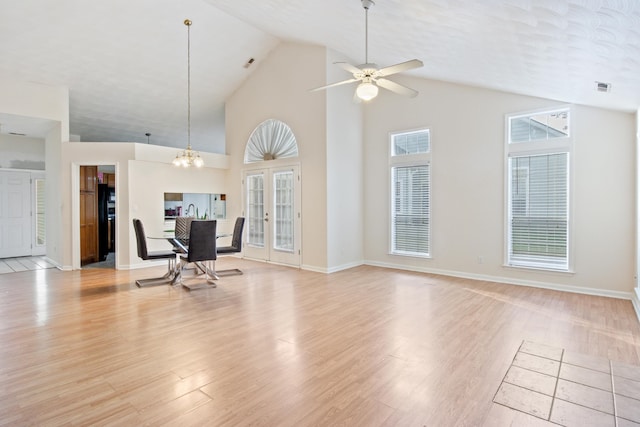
column 410, row 255
column 540, row 269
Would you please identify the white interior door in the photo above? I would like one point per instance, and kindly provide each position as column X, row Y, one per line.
column 15, row 214
column 272, row 215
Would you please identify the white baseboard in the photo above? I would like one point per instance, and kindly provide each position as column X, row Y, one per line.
column 144, row 264
column 329, row 270
column 635, row 300
column 511, row 281
column 57, row 265
column 314, row 268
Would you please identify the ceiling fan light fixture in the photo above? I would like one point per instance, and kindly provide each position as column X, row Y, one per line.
column 367, row 91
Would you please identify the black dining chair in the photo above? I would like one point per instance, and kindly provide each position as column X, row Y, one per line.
column 144, row 253
column 202, row 250
column 183, row 227
column 236, row 247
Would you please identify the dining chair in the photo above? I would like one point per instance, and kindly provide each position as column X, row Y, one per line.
column 236, row 247
column 183, row 227
column 145, row 254
column 202, row 250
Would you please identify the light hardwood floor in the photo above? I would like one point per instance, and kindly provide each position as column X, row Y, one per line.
column 279, row 346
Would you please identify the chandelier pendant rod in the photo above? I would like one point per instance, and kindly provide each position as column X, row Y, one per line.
column 188, row 24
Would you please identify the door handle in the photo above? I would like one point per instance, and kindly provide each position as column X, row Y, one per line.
column 266, row 219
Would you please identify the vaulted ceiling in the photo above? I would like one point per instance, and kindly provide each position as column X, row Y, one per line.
column 125, row 62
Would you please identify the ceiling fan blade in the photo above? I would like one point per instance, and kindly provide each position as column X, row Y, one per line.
column 334, row 84
column 350, row 68
column 397, row 88
column 403, row 66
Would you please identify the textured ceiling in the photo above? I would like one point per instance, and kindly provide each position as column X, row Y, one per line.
column 124, row 61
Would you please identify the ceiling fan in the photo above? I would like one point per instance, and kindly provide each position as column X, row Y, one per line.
column 368, row 74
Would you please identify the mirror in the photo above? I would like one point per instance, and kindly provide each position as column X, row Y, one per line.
column 196, row 205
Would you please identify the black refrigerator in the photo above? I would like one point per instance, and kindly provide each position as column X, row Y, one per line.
column 103, row 221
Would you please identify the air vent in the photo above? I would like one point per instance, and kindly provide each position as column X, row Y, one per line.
column 603, row 87
column 249, row 62
column 17, row 134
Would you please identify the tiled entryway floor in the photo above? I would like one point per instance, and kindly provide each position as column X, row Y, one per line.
column 12, row 265
column 571, row 389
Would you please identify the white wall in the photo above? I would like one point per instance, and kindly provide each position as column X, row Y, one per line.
column 76, row 154
column 279, row 89
column 143, row 174
column 636, row 296
column 51, row 103
column 344, row 173
column 467, row 130
column 148, row 181
column 21, row 152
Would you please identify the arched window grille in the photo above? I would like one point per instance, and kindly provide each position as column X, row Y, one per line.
column 271, row 139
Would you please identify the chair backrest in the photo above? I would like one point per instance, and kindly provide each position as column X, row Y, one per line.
column 236, row 241
column 202, row 241
column 183, row 226
column 141, row 239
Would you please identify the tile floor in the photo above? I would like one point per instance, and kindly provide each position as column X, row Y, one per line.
column 571, row 389
column 12, row 265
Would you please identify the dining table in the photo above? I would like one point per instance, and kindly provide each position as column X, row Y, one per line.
column 181, row 247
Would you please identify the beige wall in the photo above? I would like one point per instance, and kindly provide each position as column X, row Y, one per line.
column 344, row 170
column 21, row 152
column 468, row 190
column 143, row 174
column 50, row 103
column 148, row 181
column 279, row 89
column 636, row 296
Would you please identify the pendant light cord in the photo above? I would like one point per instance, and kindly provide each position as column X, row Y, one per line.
column 188, row 24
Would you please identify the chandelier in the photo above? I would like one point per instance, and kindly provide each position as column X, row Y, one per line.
column 188, row 157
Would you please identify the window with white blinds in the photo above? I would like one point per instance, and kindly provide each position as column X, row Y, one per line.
column 410, row 193
column 538, row 183
column 40, row 213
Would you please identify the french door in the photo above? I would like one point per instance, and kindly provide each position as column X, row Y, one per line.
column 272, row 214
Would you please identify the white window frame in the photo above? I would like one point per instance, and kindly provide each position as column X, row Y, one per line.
column 408, row 160
column 532, row 148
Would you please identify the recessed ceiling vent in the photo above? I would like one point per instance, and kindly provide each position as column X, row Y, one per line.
column 603, row 87
column 249, row 62
column 17, row 134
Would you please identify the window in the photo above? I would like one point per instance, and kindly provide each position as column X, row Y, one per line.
column 538, row 159
column 410, row 193
column 271, row 140
column 40, row 212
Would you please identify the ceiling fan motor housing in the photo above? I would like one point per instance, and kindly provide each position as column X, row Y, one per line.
column 367, row 3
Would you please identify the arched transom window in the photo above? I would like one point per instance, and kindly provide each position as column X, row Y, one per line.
column 271, row 139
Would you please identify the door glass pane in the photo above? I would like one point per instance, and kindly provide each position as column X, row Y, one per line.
column 40, row 218
column 283, row 213
column 255, row 210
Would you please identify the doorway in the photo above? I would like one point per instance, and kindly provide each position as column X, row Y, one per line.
column 97, row 216
column 272, row 212
column 22, row 214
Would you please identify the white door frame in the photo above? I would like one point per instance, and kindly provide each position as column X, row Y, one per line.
column 268, row 252
column 75, row 210
column 36, row 249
